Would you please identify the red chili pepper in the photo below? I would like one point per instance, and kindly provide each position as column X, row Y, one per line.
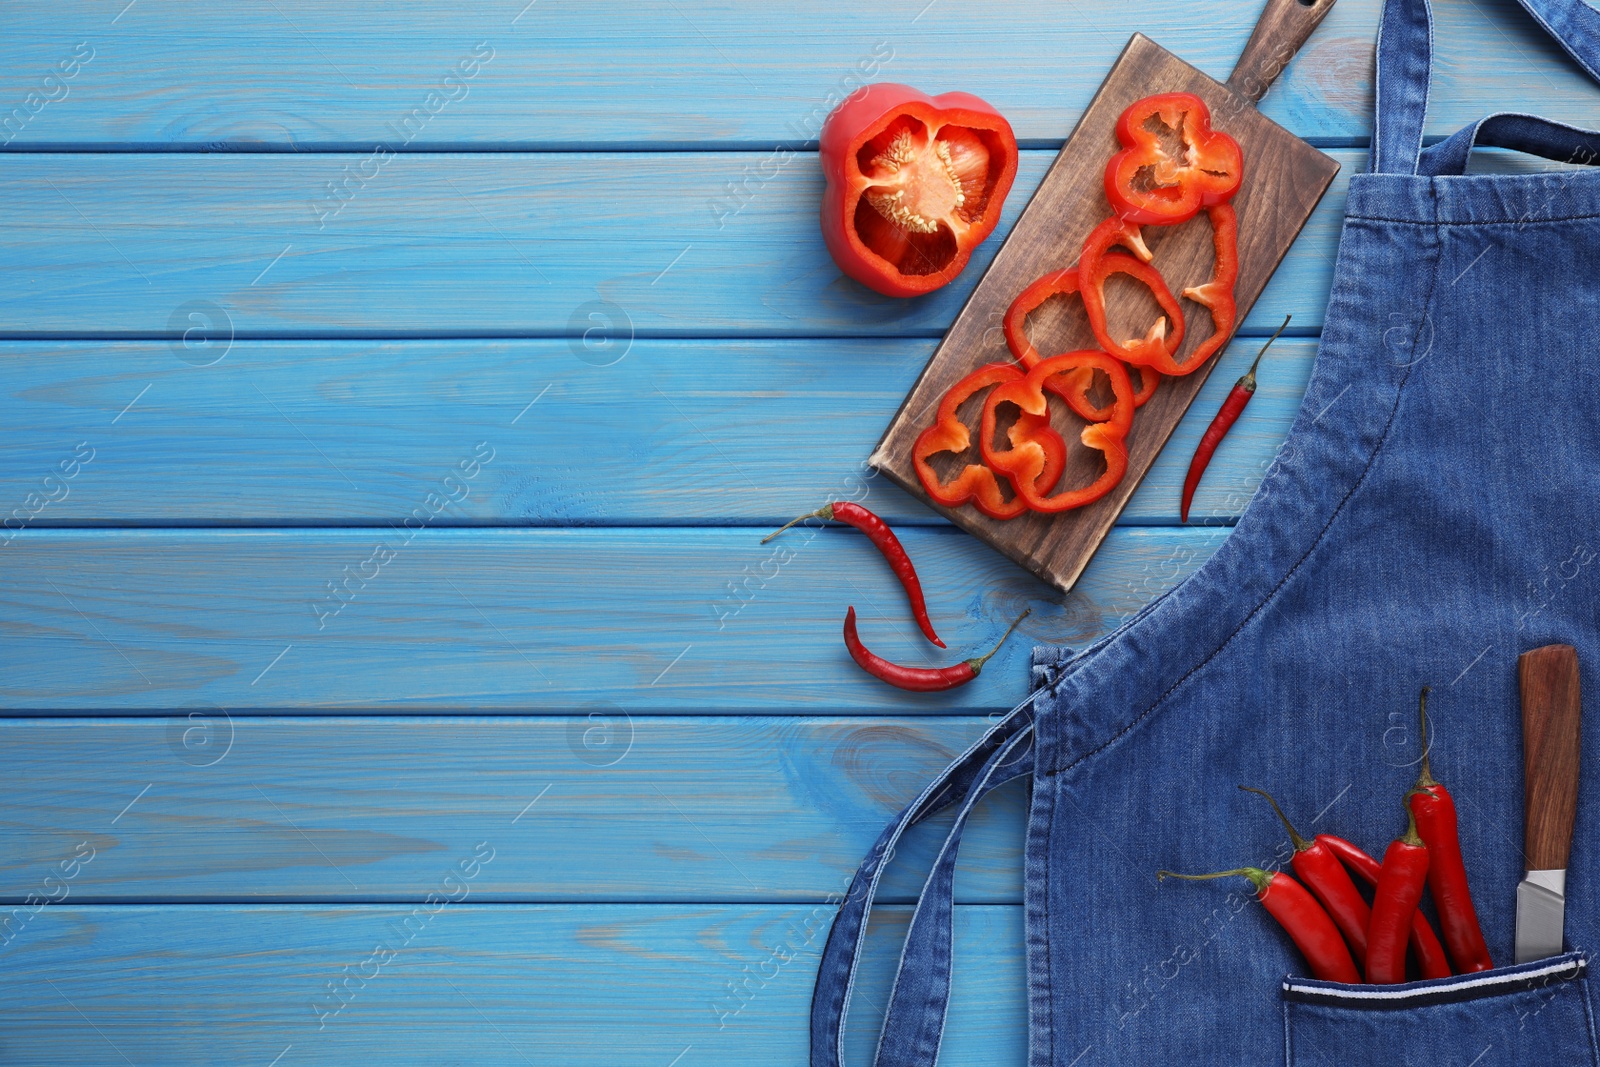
column 1298, row 912
column 1435, row 812
column 918, row 679
column 1328, row 881
column 1148, row 184
column 1157, row 347
column 1400, row 884
column 1221, row 423
column 1033, row 442
column 1431, row 960
column 1073, row 386
column 879, row 534
column 977, row 483
column 914, row 184
column 1217, row 294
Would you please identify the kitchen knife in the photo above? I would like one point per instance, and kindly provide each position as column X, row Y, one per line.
column 1551, row 711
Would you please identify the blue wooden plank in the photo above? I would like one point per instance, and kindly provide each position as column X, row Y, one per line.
column 484, row 244
column 520, row 986
column 475, row 245
column 695, row 620
column 691, row 432
column 302, row 73
column 599, row 806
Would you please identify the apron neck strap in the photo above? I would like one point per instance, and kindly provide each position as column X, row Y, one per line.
column 1404, row 56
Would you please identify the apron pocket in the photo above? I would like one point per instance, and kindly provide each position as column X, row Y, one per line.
column 1534, row 1013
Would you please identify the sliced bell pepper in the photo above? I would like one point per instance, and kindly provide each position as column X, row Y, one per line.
column 1156, row 348
column 1217, row 294
column 1154, row 181
column 1072, row 386
column 1034, row 442
column 977, row 483
column 914, row 184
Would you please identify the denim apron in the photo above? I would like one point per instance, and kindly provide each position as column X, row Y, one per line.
column 1434, row 512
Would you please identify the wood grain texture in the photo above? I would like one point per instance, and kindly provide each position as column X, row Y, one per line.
column 651, row 809
column 519, row 986
column 1282, row 29
column 1284, row 179
column 471, row 245
column 262, row 436
column 304, row 73
column 1552, row 716
column 701, row 620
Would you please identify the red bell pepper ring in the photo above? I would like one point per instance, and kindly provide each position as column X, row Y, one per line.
column 1217, row 294
column 1034, row 443
column 914, row 184
column 1149, row 185
column 1157, row 348
column 1074, row 385
column 976, row 483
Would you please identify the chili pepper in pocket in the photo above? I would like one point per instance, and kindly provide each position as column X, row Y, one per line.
column 1401, row 881
column 1147, row 183
column 1322, row 873
column 883, row 538
column 1435, row 811
column 918, row 679
column 976, row 483
column 914, row 184
column 1302, row 918
column 1431, row 958
column 1221, row 423
column 1031, row 442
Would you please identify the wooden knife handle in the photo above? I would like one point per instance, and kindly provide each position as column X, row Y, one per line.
column 1283, row 27
column 1551, row 710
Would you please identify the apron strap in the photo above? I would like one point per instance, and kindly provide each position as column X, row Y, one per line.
column 1404, row 55
column 913, row 1025
column 836, row 973
column 1521, row 133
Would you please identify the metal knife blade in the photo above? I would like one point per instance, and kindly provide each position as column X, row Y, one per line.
column 1551, row 712
column 1541, row 915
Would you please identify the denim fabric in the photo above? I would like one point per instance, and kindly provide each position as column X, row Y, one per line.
column 1432, row 515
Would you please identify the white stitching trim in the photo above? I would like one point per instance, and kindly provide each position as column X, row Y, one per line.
column 1572, row 966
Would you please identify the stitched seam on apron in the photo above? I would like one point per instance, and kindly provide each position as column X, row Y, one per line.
column 1383, row 439
column 1522, row 223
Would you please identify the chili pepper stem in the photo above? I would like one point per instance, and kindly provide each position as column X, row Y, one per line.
column 1410, row 837
column 1425, row 779
column 977, row 664
column 1300, row 843
column 825, row 512
column 1248, row 381
column 1258, row 877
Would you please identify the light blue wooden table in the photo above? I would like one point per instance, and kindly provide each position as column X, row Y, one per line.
column 568, row 770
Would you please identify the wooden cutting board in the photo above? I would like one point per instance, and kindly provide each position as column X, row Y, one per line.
column 1284, row 179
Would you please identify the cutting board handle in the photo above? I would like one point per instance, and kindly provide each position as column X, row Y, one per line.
column 1283, row 27
column 1551, row 710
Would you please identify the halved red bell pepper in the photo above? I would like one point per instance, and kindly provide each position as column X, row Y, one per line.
column 1154, row 181
column 1034, row 443
column 914, row 184
column 975, row 482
